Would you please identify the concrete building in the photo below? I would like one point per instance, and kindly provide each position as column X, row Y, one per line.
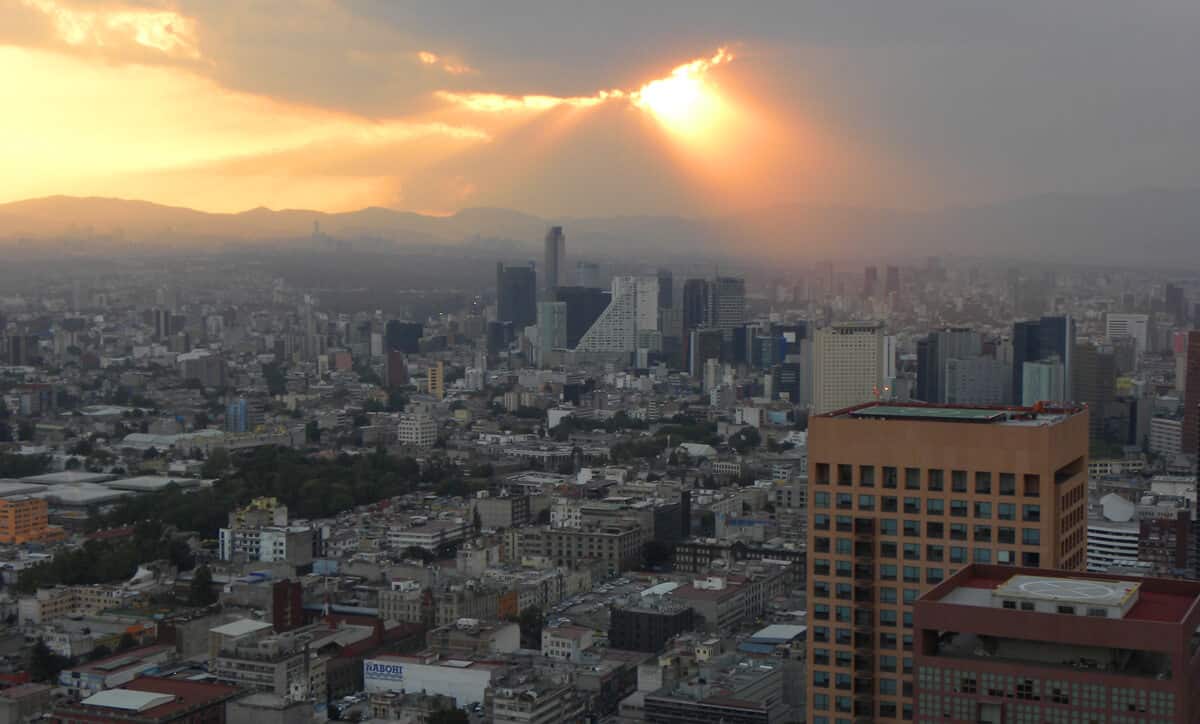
column 466, row 681
column 472, row 637
column 999, row 644
column 903, row 496
column 421, row 532
column 418, row 429
column 847, row 365
column 516, row 296
column 977, row 381
column 1166, row 436
column 542, row 701
column 566, row 643
column 1112, row 534
column 648, row 624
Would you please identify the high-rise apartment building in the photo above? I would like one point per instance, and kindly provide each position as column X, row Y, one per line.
column 996, row 644
column 555, row 259
column 847, row 365
column 435, row 379
column 901, row 497
column 516, row 296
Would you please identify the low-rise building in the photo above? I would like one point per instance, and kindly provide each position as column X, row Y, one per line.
column 151, row 700
column 566, row 643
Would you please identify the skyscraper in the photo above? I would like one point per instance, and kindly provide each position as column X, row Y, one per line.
column 584, row 306
column 695, row 313
column 847, row 365
column 892, row 282
column 1037, row 340
column 402, row 336
column 1176, row 303
column 516, row 296
column 727, row 304
column 903, row 496
column 633, row 309
column 552, row 330
column 870, row 282
column 1094, row 379
column 556, row 257
column 934, row 351
column 666, row 289
column 587, row 274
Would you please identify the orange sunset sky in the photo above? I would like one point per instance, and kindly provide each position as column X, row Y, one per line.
column 679, row 107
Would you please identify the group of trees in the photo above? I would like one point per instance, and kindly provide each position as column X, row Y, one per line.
column 311, row 487
column 13, row 465
column 108, row 560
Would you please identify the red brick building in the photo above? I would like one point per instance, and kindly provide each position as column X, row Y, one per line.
column 151, row 700
column 1000, row 644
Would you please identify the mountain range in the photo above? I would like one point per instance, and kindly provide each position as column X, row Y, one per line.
column 1148, row 227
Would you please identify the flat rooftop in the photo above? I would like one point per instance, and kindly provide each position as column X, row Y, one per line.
column 1153, row 599
column 973, row 414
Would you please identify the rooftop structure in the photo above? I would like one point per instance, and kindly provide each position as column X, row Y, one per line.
column 995, row 642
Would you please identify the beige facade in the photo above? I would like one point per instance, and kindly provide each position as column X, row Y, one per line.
column 903, row 496
column 847, row 365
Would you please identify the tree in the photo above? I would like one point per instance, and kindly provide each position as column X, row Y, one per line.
column 312, row 432
column 126, row 642
column 201, row 592
column 448, row 716
column 745, row 440
column 217, row 463
column 44, row 664
column 655, row 553
column 25, row 431
column 476, row 521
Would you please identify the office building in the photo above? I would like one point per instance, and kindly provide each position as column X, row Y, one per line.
column 1128, row 326
column 666, row 289
column 633, row 309
column 1001, row 644
column 847, row 365
column 977, row 381
column 1112, row 534
column 903, row 496
column 402, row 336
column 933, row 354
column 892, row 282
column 695, row 304
column 555, row 259
column 516, row 296
column 704, row 345
column 551, row 331
column 23, row 519
column 1176, row 303
column 870, row 282
column 727, row 304
column 1042, row 339
column 726, row 689
column 395, row 369
column 1094, row 381
column 584, row 307
column 540, row 701
column 587, row 274
column 1190, row 435
column 235, row 416
column 1043, row 381
column 649, row 623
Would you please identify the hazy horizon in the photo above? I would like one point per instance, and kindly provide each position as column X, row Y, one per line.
column 693, row 109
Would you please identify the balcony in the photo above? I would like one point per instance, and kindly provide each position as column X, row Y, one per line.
column 865, row 549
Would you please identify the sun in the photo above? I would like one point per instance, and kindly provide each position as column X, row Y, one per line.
column 684, row 102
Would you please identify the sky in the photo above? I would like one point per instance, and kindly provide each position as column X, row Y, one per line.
column 691, row 107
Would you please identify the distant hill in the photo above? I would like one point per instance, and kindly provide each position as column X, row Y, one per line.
column 1150, row 227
